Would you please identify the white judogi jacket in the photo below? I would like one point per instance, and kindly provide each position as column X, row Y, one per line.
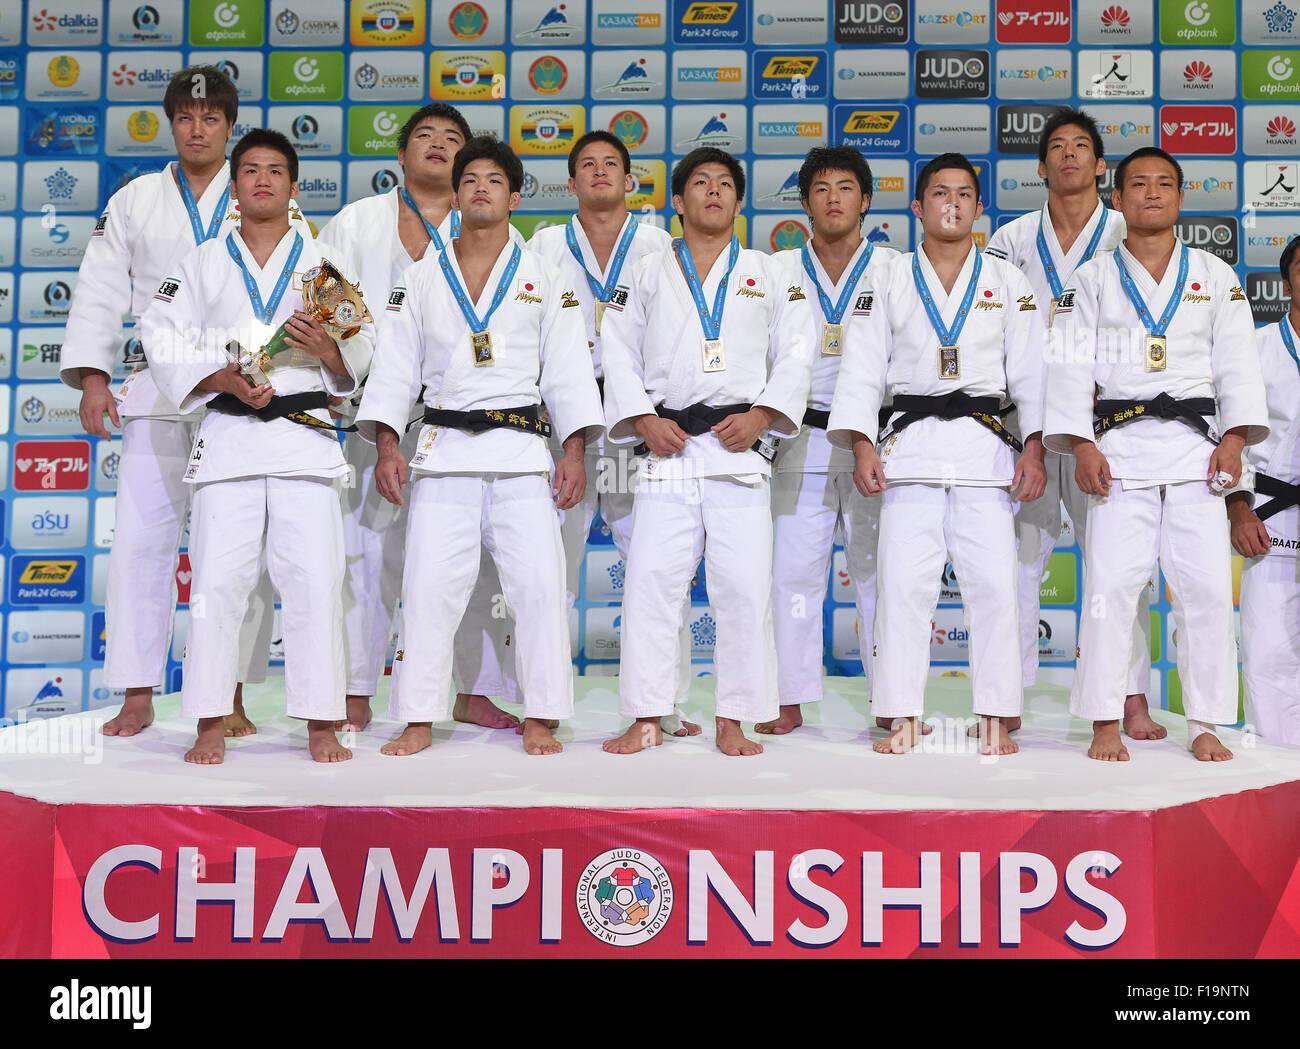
column 1017, row 243
column 1278, row 455
column 864, row 327
column 539, row 350
column 1098, row 342
column 1001, row 355
column 202, row 305
column 653, row 355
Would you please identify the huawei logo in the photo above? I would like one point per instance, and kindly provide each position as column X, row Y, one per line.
column 1281, row 127
column 1197, row 71
column 1114, row 17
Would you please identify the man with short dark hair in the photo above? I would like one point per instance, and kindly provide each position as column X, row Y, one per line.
column 483, row 328
column 963, row 340
column 706, row 349
column 1155, row 387
column 154, row 219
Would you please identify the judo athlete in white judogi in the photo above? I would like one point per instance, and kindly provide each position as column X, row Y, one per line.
column 1267, row 535
column 263, row 485
column 154, row 218
column 1163, row 335
column 707, row 347
column 484, row 327
column 590, row 253
column 964, row 337
column 1047, row 246
column 385, row 234
column 813, row 495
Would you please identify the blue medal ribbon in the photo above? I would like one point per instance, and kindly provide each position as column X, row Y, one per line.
column 711, row 322
column 1045, row 257
column 1171, row 307
column 462, row 297
column 434, row 236
column 1284, row 325
column 833, row 313
column 605, row 291
column 947, row 337
column 264, row 313
column 191, row 206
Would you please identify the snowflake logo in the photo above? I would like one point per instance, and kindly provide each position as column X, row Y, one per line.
column 1279, row 18
column 60, row 185
column 704, row 631
column 617, row 572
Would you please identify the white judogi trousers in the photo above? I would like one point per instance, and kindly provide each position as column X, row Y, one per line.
column 452, row 517
column 1038, row 525
column 1184, row 528
column 807, row 509
column 1270, row 646
column 152, row 500
column 374, row 536
column 729, row 522
column 295, row 522
column 920, row 526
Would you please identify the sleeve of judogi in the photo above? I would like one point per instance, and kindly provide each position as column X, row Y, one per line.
column 103, row 294
column 358, row 351
column 394, row 380
column 568, row 381
column 622, row 335
column 860, row 386
column 1071, row 357
column 790, row 348
column 172, row 330
column 1026, row 342
column 1234, row 358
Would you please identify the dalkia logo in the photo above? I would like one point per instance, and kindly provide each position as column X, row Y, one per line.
column 624, row 897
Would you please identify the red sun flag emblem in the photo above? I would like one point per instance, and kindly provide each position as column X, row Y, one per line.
column 528, row 287
column 988, row 294
column 1114, row 16
column 1197, row 71
column 749, row 281
column 1281, row 127
column 1196, row 286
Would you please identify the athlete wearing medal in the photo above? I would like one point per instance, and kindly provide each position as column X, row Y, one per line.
column 812, row 482
column 262, row 485
column 962, row 339
column 385, row 233
column 482, row 327
column 1048, row 246
column 1161, row 335
column 152, row 220
column 1267, row 534
column 706, row 347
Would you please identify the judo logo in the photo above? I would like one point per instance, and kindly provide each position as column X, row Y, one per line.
column 624, row 897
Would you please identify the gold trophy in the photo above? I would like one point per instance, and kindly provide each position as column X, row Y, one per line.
column 329, row 297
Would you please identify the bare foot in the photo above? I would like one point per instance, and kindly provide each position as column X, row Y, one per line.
column 903, row 735
column 926, row 727
column 1137, row 719
column 237, row 723
column 210, row 747
column 790, row 718
column 538, row 738
column 1207, row 747
column 135, row 716
column 732, row 742
column 481, row 711
column 977, row 729
column 359, row 714
column 551, row 724
column 416, row 737
column 642, row 734
column 995, row 735
column 679, row 727
column 323, row 744
column 1106, row 744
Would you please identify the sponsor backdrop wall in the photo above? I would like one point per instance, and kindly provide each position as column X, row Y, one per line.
column 1216, row 82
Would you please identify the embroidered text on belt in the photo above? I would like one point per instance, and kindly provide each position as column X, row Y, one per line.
column 525, row 418
column 291, row 406
column 1108, row 414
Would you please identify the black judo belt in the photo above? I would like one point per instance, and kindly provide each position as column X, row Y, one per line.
column 815, row 418
column 1282, row 495
column 986, row 411
column 291, row 406
column 526, row 418
column 699, row 418
column 1106, row 415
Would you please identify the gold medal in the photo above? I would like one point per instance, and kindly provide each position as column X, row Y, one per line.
column 832, row 340
column 480, row 342
column 600, row 313
column 715, row 360
column 949, row 362
column 1155, row 352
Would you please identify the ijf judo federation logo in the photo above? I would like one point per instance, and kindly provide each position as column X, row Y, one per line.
column 624, row 897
